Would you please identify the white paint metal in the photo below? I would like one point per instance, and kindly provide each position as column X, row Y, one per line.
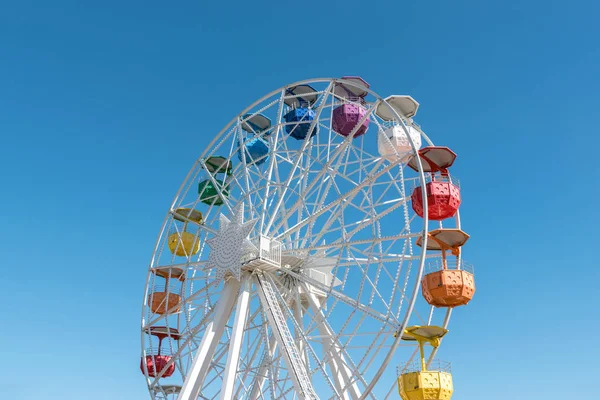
column 197, row 373
column 299, row 223
column 236, row 339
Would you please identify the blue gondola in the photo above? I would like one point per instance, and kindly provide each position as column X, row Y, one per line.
column 299, row 121
column 300, row 99
column 257, row 151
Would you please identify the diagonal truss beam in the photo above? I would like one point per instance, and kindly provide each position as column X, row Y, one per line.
column 342, row 375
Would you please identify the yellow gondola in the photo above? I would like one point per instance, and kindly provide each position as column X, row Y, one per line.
column 425, row 384
column 185, row 243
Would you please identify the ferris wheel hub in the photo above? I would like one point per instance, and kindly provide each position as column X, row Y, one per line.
column 230, row 243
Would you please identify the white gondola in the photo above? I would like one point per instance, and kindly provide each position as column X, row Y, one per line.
column 393, row 142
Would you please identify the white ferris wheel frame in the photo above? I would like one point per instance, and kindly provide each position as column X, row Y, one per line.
column 231, row 290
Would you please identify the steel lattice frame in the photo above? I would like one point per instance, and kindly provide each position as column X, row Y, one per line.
column 327, row 197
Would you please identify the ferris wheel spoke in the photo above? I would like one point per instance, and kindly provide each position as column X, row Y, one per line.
column 337, row 362
column 339, row 245
column 255, row 201
column 301, row 192
column 356, row 261
column 275, row 196
column 297, row 162
column 191, row 178
column 375, row 292
column 344, row 243
column 286, row 223
column 318, row 203
column 264, row 367
column 250, row 184
column 335, row 214
column 371, row 355
column 228, row 135
column 232, row 196
column 355, row 334
column 342, row 297
column 430, row 318
column 346, row 197
column 197, row 373
column 321, row 196
column 273, row 161
column 251, row 194
column 401, row 235
column 363, row 224
column 352, row 170
column 301, row 336
column 301, row 184
column 286, row 186
column 249, row 363
column 339, row 151
column 392, row 183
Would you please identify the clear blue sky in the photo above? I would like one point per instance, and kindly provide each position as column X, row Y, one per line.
column 92, row 98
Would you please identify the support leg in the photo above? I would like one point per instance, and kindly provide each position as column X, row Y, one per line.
column 236, row 339
column 214, row 330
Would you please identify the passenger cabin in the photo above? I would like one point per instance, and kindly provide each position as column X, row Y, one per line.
column 450, row 284
column 350, row 118
column 300, row 101
column 165, row 297
column 442, row 191
column 215, row 191
column 157, row 361
column 423, row 382
column 392, row 141
column 256, row 151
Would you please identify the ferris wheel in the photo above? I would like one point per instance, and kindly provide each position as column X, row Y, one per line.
column 290, row 263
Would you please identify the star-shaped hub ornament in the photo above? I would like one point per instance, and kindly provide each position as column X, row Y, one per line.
column 230, row 244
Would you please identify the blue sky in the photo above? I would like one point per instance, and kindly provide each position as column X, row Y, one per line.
column 92, row 98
